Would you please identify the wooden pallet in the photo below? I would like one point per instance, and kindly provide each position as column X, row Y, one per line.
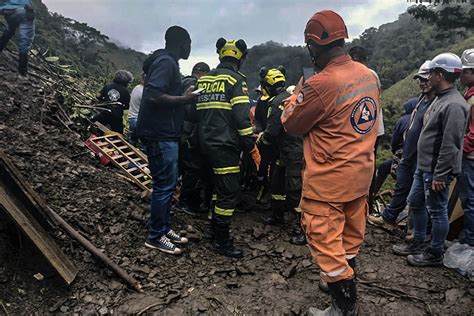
column 126, row 157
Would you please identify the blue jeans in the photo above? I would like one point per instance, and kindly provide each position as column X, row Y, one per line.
column 421, row 196
column 18, row 19
column 163, row 163
column 132, row 129
column 466, row 194
column 405, row 172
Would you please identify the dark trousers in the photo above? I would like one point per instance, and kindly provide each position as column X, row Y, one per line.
column 286, row 186
column 192, row 170
column 108, row 119
column 406, row 170
column 225, row 182
column 383, row 172
column 268, row 158
column 163, row 163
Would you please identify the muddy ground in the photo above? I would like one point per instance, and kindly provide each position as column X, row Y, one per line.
column 274, row 277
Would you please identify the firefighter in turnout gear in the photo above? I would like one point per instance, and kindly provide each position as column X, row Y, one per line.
column 224, row 127
column 286, row 177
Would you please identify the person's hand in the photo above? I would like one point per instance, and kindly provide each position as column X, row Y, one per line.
column 189, row 95
column 438, row 185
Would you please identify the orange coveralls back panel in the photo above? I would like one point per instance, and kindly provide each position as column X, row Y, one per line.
column 337, row 112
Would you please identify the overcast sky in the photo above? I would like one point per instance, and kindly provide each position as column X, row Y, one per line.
column 141, row 24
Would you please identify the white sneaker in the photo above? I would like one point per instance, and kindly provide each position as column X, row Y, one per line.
column 174, row 237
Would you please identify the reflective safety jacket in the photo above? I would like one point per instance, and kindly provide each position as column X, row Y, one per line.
column 222, row 111
column 289, row 147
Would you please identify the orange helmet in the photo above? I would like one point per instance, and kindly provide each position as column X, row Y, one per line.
column 325, row 27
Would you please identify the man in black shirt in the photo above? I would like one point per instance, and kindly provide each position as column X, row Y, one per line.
column 117, row 94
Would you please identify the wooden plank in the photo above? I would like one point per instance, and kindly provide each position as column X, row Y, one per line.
column 40, row 238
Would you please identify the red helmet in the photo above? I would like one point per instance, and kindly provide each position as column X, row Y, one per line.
column 325, row 27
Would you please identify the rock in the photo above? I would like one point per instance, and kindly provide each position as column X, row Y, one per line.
column 453, row 295
column 88, row 299
column 244, row 271
column 287, row 254
column 260, row 247
column 290, row 271
column 232, row 285
column 276, row 278
column 64, row 309
column 38, row 276
column 280, row 249
column 306, row 263
column 258, row 233
column 103, row 311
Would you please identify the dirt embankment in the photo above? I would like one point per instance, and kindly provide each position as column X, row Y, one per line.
column 274, row 277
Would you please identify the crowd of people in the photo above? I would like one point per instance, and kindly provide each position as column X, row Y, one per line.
column 310, row 147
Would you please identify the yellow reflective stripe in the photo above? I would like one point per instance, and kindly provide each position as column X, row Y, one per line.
column 281, row 107
column 245, row 131
column 214, row 105
column 298, row 210
column 226, row 170
column 227, row 78
column 214, row 197
column 241, row 99
column 278, row 197
column 223, row 211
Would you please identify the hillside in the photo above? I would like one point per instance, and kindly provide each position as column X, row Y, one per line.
column 397, row 94
column 89, row 51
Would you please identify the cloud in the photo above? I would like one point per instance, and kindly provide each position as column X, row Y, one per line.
column 141, row 24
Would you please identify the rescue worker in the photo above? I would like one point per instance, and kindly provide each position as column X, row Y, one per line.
column 224, row 131
column 337, row 112
column 116, row 93
column 269, row 155
column 286, row 177
column 191, row 160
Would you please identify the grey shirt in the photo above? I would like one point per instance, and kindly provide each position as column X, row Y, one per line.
column 441, row 139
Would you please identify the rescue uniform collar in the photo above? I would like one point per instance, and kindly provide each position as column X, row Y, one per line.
column 227, row 65
column 339, row 60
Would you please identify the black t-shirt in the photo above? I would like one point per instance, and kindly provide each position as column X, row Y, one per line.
column 114, row 92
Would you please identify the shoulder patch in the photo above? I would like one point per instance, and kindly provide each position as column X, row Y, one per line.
column 364, row 115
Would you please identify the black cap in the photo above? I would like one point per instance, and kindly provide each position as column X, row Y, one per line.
column 202, row 67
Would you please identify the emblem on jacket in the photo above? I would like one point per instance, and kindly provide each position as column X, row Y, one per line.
column 364, row 115
column 113, row 95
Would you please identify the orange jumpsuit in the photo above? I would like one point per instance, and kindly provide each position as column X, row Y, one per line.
column 337, row 112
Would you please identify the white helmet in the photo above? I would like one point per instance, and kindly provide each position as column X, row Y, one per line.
column 448, row 61
column 424, row 71
column 467, row 58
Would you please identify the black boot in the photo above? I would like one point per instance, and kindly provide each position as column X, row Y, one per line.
column 344, row 300
column 278, row 215
column 23, row 64
column 299, row 238
column 223, row 243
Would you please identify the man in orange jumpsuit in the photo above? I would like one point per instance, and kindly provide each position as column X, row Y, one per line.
column 337, row 112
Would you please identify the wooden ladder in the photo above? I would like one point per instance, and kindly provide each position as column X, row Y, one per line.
column 126, row 157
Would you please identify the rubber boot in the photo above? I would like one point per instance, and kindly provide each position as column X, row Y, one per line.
column 278, row 214
column 323, row 285
column 344, row 300
column 299, row 238
column 223, row 243
column 23, row 65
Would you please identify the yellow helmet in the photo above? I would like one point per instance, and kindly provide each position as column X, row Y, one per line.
column 234, row 49
column 272, row 76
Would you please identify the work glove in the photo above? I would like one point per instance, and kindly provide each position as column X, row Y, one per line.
column 261, row 140
column 255, row 153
